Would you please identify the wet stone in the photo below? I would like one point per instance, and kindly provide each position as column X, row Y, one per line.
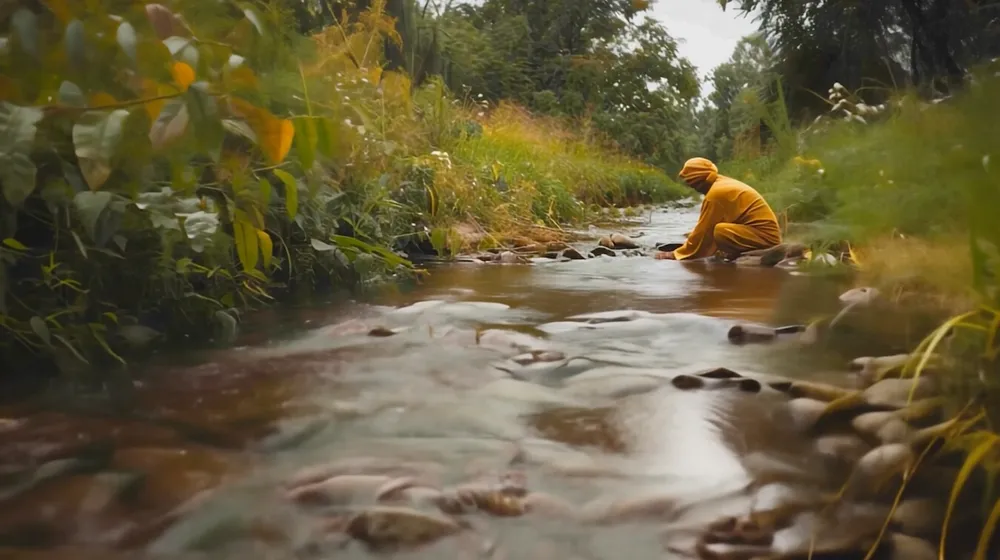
column 602, row 252
column 745, row 334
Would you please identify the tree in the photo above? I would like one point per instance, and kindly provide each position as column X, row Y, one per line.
column 579, row 59
column 881, row 43
column 748, row 72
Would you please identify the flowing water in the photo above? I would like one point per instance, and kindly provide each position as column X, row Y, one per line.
column 446, row 389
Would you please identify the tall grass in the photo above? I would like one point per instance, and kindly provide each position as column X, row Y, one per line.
column 922, row 173
column 918, row 195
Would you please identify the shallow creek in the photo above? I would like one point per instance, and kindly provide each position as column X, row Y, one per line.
column 558, row 374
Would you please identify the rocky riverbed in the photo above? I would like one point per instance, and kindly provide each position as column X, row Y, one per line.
column 592, row 408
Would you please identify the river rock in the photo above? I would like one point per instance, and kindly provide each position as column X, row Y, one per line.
column 383, row 527
column 747, row 260
column 805, row 413
column 843, row 447
column 816, row 391
column 870, row 423
column 744, row 334
column 601, row 251
column 894, row 431
column 885, row 461
column 572, row 254
column 617, row 241
column 775, row 255
column 896, row 392
column 341, row 490
column 919, row 517
column 905, row 547
column 668, row 247
column 510, row 257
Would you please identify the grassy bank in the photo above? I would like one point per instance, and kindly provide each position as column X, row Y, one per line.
column 166, row 167
column 915, row 191
column 906, row 189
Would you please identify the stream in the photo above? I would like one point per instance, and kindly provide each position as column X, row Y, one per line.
column 559, row 374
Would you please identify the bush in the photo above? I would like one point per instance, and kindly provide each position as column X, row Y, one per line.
column 164, row 168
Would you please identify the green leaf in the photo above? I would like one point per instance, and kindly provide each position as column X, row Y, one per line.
column 205, row 117
column 89, row 206
column 985, row 445
column 18, row 126
column 71, row 94
column 388, row 256
column 72, row 349
column 324, row 136
column 170, row 124
column 41, row 329
column 76, row 44
column 99, row 337
column 96, row 136
column 321, row 246
column 245, row 237
column 439, row 240
column 79, row 244
column 183, row 49
column 14, row 244
column 25, row 22
column 239, row 128
column 18, row 175
column 227, row 324
column 265, row 192
column 127, row 40
column 266, row 248
column 305, row 141
column 291, row 192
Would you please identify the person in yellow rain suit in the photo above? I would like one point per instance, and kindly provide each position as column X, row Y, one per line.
column 734, row 218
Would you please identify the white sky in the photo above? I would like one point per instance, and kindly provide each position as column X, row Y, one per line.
column 707, row 35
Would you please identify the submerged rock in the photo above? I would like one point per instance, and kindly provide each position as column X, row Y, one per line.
column 384, row 527
column 602, row 252
column 510, row 257
column 572, row 254
column 620, row 241
column 745, row 334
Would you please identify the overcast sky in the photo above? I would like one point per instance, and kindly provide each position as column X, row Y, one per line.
column 707, row 35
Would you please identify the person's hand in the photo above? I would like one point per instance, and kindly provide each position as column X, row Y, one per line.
column 665, row 256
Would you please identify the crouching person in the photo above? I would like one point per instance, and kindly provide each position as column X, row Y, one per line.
column 734, row 217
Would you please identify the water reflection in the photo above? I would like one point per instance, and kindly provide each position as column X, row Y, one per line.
column 206, row 445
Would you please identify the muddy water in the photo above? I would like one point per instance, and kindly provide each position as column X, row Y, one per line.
column 445, row 389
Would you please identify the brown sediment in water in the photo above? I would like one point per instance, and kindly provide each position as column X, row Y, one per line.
column 421, row 446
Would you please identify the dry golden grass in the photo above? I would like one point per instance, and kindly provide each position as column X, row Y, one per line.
column 936, row 273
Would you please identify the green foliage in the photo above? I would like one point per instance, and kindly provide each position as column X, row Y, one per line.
column 918, row 192
column 167, row 166
column 732, row 118
column 874, row 47
column 594, row 58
